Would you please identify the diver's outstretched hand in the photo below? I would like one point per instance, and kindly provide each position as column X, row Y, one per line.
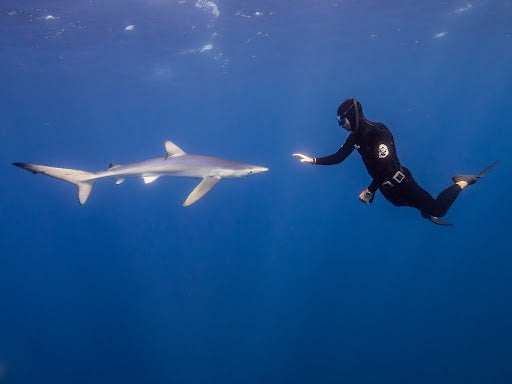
column 303, row 158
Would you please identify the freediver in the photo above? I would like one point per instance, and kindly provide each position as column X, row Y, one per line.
column 375, row 144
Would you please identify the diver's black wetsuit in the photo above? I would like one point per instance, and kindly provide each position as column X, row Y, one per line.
column 375, row 144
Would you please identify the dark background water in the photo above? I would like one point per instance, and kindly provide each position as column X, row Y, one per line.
column 282, row 277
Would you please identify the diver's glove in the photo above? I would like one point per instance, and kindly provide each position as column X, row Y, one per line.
column 366, row 196
column 304, row 158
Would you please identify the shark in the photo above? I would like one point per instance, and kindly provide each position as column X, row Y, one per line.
column 175, row 163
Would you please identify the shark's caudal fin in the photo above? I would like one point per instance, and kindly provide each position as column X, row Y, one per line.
column 82, row 179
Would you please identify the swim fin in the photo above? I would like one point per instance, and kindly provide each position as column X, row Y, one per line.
column 472, row 179
column 435, row 220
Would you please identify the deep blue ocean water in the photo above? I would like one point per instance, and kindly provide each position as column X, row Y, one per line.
column 282, row 277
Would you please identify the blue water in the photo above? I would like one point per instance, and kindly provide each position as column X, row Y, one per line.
column 282, row 277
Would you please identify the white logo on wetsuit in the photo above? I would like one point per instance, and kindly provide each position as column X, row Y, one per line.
column 357, row 146
column 383, row 151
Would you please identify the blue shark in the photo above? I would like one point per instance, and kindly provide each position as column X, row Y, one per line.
column 175, row 163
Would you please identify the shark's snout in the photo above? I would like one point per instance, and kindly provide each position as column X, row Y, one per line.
column 259, row 169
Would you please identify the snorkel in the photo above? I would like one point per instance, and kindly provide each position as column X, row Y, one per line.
column 357, row 115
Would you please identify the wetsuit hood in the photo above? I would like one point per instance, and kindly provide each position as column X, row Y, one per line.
column 353, row 111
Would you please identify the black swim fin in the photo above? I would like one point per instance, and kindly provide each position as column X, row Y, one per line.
column 435, row 220
column 486, row 170
column 472, row 179
column 438, row 221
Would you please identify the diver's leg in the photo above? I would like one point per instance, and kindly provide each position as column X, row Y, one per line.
column 394, row 197
column 446, row 198
column 422, row 200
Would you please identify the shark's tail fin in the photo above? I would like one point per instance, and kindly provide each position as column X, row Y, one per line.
column 82, row 179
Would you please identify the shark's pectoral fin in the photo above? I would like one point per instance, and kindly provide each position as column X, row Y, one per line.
column 149, row 179
column 173, row 150
column 119, row 181
column 202, row 189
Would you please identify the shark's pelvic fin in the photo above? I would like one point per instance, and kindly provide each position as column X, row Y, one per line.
column 149, row 179
column 202, row 189
column 173, row 150
column 120, row 180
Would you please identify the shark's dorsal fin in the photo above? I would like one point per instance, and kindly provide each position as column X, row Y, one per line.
column 172, row 149
column 112, row 165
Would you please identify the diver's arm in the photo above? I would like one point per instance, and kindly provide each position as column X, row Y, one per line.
column 369, row 193
column 346, row 149
column 375, row 184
